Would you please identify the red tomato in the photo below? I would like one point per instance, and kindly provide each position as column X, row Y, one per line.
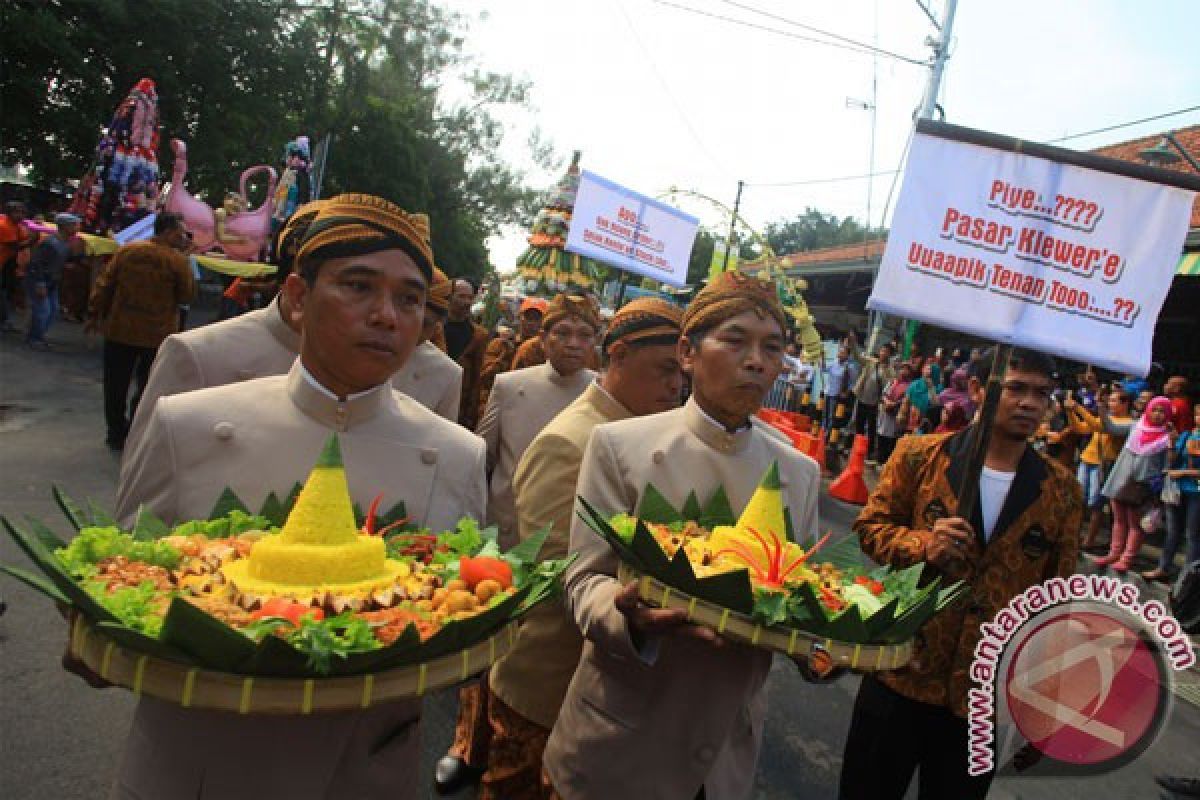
column 480, row 568
column 290, row 610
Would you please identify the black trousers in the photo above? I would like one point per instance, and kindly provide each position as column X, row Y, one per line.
column 121, row 363
column 866, row 420
column 892, row 736
column 886, row 445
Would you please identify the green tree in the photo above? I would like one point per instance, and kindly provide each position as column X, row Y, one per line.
column 237, row 79
column 813, row 230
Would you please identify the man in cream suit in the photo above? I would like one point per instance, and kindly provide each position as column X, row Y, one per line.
column 527, row 686
column 520, row 405
column 253, row 345
column 430, row 376
column 659, row 709
column 524, row 401
column 364, row 269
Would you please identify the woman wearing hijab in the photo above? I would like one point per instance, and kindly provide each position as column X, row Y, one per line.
column 1138, row 467
column 922, row 396
column 957, row 393
column 891, row 425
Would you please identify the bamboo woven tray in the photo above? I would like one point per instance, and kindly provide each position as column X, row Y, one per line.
column 741, row 628
column 193, row 687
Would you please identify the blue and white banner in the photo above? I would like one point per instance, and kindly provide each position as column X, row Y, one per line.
column 627, row 230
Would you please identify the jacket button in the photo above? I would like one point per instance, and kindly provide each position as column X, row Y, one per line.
column 429, row 456
column 705, row 754
column 223, row 431
column 658, row 457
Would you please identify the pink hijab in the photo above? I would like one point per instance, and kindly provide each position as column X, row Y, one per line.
column 1147, row 439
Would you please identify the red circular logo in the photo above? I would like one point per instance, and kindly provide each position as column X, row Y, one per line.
column 1085, row 688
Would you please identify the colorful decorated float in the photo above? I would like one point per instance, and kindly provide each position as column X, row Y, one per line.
column 546, row 267
column 296, row 608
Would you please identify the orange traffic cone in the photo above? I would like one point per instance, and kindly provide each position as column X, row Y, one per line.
column 818, row 449
column 849, row 487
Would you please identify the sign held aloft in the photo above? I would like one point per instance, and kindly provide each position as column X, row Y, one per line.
column 1029, row 245
column 630, row 231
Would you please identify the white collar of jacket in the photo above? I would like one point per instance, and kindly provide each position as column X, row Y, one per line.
column 282, row 332
column 558, row 379
column 324, row 406
column 608, row 406
column 712, row 433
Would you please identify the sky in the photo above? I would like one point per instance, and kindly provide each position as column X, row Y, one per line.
column 656, row 96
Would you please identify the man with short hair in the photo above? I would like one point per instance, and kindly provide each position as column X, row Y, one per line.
column 43, row 277
column 837, row 379
column 1022, row 530
column 136, row 300
column 522, row 403
column 656, row 706
column 253, row 345
column 16, row 240
column 364, row 268
column 527, row 686
column 430, row 376
column 465, row 343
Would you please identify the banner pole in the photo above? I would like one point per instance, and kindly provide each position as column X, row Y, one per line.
column 968, row 488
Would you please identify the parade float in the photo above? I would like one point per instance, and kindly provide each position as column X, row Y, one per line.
column 120, row 192
column 546, row 267
column 747, row 578
column 298, row 608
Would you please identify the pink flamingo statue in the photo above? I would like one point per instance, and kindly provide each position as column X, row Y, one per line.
column 246, row 232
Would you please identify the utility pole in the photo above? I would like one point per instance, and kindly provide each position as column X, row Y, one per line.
column 941, row 53
column 729, row 243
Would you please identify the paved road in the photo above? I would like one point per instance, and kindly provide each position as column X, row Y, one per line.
column 60, row 739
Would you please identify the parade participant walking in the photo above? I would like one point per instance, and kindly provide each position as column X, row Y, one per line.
column 1135, row 474
column 531, row 352
column 43, row 276
column 1101, row 451
column 465, row 344
column 136, row 301
column 656, row 702
column 525, row 400
column 430, row 376
column 16, row 240
column 642, row 376
column 521, row 404
column 364, row 267
column 1023, row 530
column 868, row 389
column 253, row 345
column 500, row 350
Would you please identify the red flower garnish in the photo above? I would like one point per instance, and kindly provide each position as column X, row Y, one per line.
column 369, row 525
column 777, row 573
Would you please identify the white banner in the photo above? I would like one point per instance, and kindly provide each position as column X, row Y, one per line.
column 630, row 231
column 1031, row 252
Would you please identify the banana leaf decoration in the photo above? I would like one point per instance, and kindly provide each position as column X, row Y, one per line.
column 896, row 622
column 194, row 638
